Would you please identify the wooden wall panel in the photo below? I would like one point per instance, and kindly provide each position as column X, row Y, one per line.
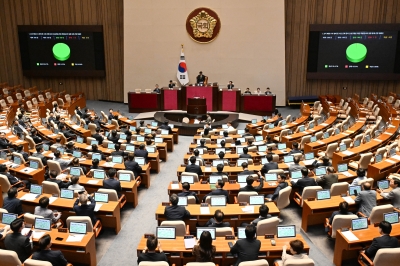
column 108, row 13
column 301, row 13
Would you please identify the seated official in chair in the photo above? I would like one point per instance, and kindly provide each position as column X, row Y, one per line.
column 281, row 185
column 329, row 179
column 295, row 149
column 296, row 166
column 263, row 210
column 245, row 153
column 325, row 162
column 176, row 212
column 53, row 178
column 246, row 171
column 271, row 165
column 55, row 257
column 200, row 78
column 63, row 163
column 133, row 166
column 394, row 194
column 75, row 184
column 142, row 152
column 219, row 191
column 112, row 183
column 15, row 241
column 305, row 181
column 11, row 203
column 250, row 181
column 360, row 177
column 343, row 210
column 217, row 220
column 202, row 144
column 247, row 249
column 95, row 165
column 38, row 154
column 42, row 210
column 98, row 136
column 82, row 208
column 12, row 179
column 366, row 199
column 186, row 192
column 193, row 168
column 150, row 253
column 297, row 251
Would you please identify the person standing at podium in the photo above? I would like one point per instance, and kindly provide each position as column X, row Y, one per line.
column 157, row 89
column 200, row 78
column 171, row 84
column 230, row 85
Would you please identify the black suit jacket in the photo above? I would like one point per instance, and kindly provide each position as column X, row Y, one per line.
column 200, row 78
column 12, row 205
column 55, row 257
column 166, row 127
column 112, row 183
column 176, row 213
column 37, row 139
column 245, row 156
column 86, row 210
column 246, row 172
column 20, row 244
column 251, row 188
column 230, row 86
column 4, row 144
column 246, row 249
column 98, row 137
column 192, row 168
column 384, row 241
column 304, row 182
column 218, row 192
column 189, row 193
column 152, row 256
column 269, row 166
column 141, row 153
column 113, row 139
column 118, row 153
column 60, row 183
column 134, row 167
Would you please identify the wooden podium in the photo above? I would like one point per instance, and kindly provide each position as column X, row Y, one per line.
column 196, row 106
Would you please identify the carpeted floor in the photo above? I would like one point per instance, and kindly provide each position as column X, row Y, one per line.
column 121, row 249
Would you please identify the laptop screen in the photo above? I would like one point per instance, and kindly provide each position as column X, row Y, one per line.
column 283, row 123
column 326, row 135
column 256, row 200
column 7, row 218
column 154, row 124
column 140, row 138
column 254, row 121
column 77, row 154
column 182, row 201
column 218, row 150
column 75, row 171
column 264, row 160
column 383, row 184
column 241, row 140
column 217, row 162
column 96, row 156
column 218, row 201
column 151, row 149
column 342, row 167
column 101, row 197
column 323, row 194
column 242, row 160
column 392, row 152
column 320, row 171
column 357, row 143
column 43, row 224
column 311, row 126
column 147, row 130
column 66, row 194
column 132, row 128
column 342, row 147
column 215, row 178
column 367, row 138
column 241, row 232
column 271, row 177
column 301, row 128
column 164, row 132
column 166, row 232
column 358, row 224
column 225, row 126
column 111, row 146
column 271, row 126
column 296, row 175
column 352, row 189
column 117, row 159
column 187, row 178
column 337, row 131
column 124, row 177
column 130, row 148
column 391, row 217
column 378, row 158
column 93, row 142
column 239, row 149
column 34, row 164
column 77, row 228
column 240, row 131
column 79, row 139
column 158, row 140
column 313, row 139
column 258, row 138
column 99, row 174
column 17, row 160
column 171, row 126
column 220, row 140
column 140, row 161
column 200, row 230
column 45, row 147
column 309, row 156
column 262, row 148
column 242, row 178
column 286, row 231
column 288, row 159
column 281, row 146
column 36, row 189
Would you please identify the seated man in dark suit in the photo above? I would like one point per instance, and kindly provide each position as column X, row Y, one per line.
column 271, row 165
column 142, row 152
column 295, row 149
column 113, row 137
column 329, row 179
column 20, row 150
column 53, row 178
column 247, row 249
column 69, row 147
column 150, row 254
column 176, row 212
column 343, row 210
column 305, row 181
column 68, row 134
column 245, row 153
column 245, row 167
column 165, row 126
column 157, row 89
column 95, row 165
column 325, row 162
column 133, row 166
column 186, row 192
column 217, row 220
column 219, row 191
column 11, row 203
column 193, row 168
column 111, row 182
column 246, row 133
column 280, row 118
column 263, row 210
column 220, row 168
column 250, row 181
column 38, row 154
column 55, row 257
column 110, row 114
column 117, row 151
column 98, row 136
column 81, row 208
column 196, row 153
column 383, row 241
column 200, row 78
column 22, row 245
column 35, row 137
column 4, row 143
column 202, row 144
column 12, row 179
column 281, row 185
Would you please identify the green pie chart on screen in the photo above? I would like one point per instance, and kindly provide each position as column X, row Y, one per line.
column 61, row 51
column 356, row 52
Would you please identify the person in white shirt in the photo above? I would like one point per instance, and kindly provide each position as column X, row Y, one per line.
column 230, row 127
column 296, row 248
column 360, row 177
column 75, row 184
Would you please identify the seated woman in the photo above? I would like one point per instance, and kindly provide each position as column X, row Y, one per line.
column 296, row 249
column 204, row 250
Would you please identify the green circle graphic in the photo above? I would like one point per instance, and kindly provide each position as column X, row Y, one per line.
column 61, row 51
column 356, row 52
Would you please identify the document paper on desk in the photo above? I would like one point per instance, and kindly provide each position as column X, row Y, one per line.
column 92, row 182
column 390, row 161
column 397, row 157
column 52, row 199
column 28, row 170
column 348, row 152
column 74, row 238
column 248, row 209
column 349, row 200
column 29, row 196
column 204, row 210
column 174, row 186
column 350, row 236
column 189, row 242
column 98, row 206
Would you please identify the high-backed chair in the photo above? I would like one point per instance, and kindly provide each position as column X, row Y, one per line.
column 195, row 176
column 261, row 262
column 339, row 221
column 50, row 187
column 115, row 123
column 330, row 149
column 5, row 184
column 244, row 196
column 308, row 192
column 92, row 127
column 113, row 196
column 377, row 212
column 369, row 180
column 86, row 219
column 19, row 155
column 29, row 218
column 363, row 162
column 181, row 228
column 304, row 141
column 384, row 256
column 31, row 262
column 9, row 258
column 340, row 188
column 284, row 198
column 54, row 165
column 267, row 226
column 10, row 100
column 284, row 132
column 224, row 231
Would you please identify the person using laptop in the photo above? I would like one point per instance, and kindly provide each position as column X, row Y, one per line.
column 95, row 149
column 204, row 251
column 69, row 148
column 53, row 178
column 280, row 118
column 196, row 153
column 95, row 165
column 220, row 168
column 35, row 137
column 250, row 181
column 98, row 136
column 42, row 210
column 295, row 149
column 221, row 156
column 186, row 192
column 263, row 210
column 343, row 210
column 245, row 167
column 82, row 208
column 295, row 166
column 281, row 185
column 38, row 154
column 245, row 153
column 202, row 144
column 118, row 152
column 11, row 203
column 329, row 179
column 68, row 134
column 297, row 251
column 271, row 165
column 217, row 220
column 63, row 163
column 12, row 179
column 247, row 133
column 366, row 199
column 112, row 182
column 269, row 140
column 360, row 177
column 247, row 249
column 166, row 126
column 131, row 165
column 20, row 150
column 176, row 212
column 75, row 184
column 193, row 168
column 383, row 241
column 305, row 181
column 325, row 162
column 394, row 194
column 15, row 241
column 219, row 191
column 55, row 257
column 113, row 137
column 75, row 163
column 142, row 152
column 149, row 253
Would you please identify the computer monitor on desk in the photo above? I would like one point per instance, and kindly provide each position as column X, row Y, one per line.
column 166, row 232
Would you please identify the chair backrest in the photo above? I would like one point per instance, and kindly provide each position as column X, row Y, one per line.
column 29, row 218
column 262, row 262
column 3, row 103
column 179, row 225
column 244, row 196
column 365, row 101
column 365, row 159
column 31, row 262
column 32, row 144
column 36, row 159
column 115, row 123
column 112, row 194
column 54, row 165
column 267, row 226
column 319, row 135
column 340, row 188
column 10, row 99
column 284, row 198
column 341, row 221
column 68, row 98
column 81, row 219
column 195, row 176
column 4, row 183
column 309, row 192
column 377, row 212
column 304, row 140
column 387, row 256
column 302, row 262
column 153, row 263
column 369, row 180
column 277, row 171
column 50, row 187
column 126, row 172
column 275, row 158
column 92, row 127
column 15, row 154
column 9, row 258
column 41, row 98
column 18, row 96
column 331, row 149
column 200, row 264
column 48, row 95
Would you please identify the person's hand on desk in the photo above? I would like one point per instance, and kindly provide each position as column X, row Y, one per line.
column 159, row 247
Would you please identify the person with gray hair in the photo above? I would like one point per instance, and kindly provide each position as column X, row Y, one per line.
column 366, row 199
column 176, row 212
column 82, row 208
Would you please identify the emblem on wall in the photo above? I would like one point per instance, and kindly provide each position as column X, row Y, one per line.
column 203, row 25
